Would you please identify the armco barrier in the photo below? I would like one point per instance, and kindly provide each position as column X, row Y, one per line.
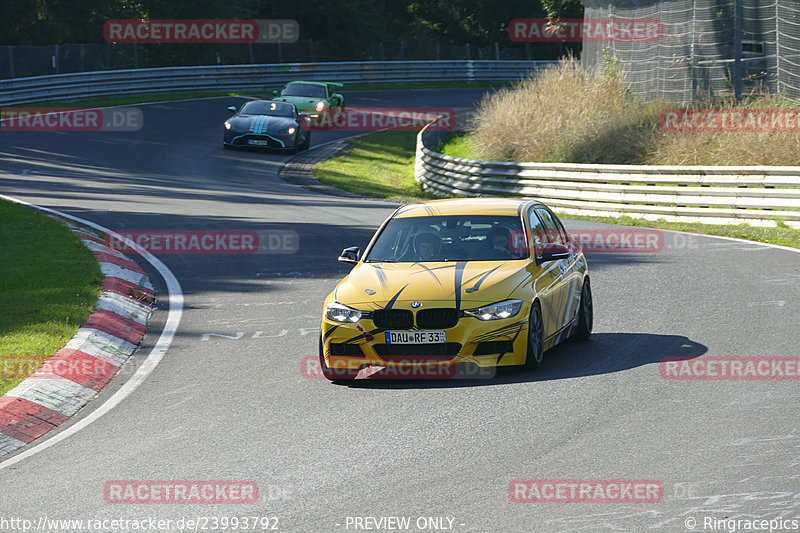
column 715, row 195
column 254, row 77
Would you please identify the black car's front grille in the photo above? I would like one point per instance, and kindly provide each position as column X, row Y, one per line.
column 445, row 351
column 393, row 318
column 437, row 318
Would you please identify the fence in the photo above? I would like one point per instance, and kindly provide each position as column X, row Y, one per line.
column 254, row 77
column 715, row 195
column 709, row 49
column 25, row 61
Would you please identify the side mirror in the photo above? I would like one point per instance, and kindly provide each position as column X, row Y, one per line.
column 276, row 93
column 350, row 255
column 303, row 115
column 552, row 251
column 232, row 109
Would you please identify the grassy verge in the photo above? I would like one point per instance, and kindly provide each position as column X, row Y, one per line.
column 49, row 284
column 567, row 114
column 380, row 165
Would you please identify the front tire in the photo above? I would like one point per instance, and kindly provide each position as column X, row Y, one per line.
column 585, row 313
column 307, row 142
column 535, row 352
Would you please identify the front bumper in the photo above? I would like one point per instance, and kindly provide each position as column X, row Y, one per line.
column 261, row 140
column 470, row 341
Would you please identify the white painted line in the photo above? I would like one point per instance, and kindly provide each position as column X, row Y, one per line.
column 175, row 299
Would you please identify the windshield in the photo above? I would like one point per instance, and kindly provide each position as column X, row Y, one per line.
column 304, row 89
column 450, row 238
column 275, row 109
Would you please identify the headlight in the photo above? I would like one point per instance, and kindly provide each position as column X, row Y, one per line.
column 320, row 106
column 342, row 313
column 227, row 125
column 497, row 311
column 290, row 131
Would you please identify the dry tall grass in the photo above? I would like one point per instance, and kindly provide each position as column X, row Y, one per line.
column 566, row 114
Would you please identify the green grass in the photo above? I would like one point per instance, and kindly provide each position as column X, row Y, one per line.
column 457, row 146
column 379, row 165
column 382, row 165
column 49, row 284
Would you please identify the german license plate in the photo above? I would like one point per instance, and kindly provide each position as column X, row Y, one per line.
column 258, row 142
column 415, row 337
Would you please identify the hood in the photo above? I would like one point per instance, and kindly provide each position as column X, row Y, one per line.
column 300, row 102
column 462, row 282
column 261, row 123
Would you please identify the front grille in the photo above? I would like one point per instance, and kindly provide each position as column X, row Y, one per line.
column 350, row 350
column 393, row 319
column 494, row 347
column 437, row 318
column 271, row 143
column 445, row 351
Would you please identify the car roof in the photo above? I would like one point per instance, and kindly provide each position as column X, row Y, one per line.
column 467, row 206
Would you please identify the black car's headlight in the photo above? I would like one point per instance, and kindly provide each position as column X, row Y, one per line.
column 286, row 131
column 227, row 125
column 500, row 310
column 341, row 313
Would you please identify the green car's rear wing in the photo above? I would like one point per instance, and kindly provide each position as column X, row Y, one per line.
column 332, row 85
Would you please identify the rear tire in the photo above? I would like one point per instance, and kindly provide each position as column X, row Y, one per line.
column 585, row 313
column 535, row 352
column 335, row 375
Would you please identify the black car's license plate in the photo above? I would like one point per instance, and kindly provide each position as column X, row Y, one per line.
column 258, row 142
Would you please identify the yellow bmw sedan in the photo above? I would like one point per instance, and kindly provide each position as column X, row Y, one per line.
column 449, row 285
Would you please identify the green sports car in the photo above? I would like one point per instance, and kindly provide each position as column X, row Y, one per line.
column 312, row 97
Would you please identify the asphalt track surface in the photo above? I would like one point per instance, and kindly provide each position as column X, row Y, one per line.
column 228, row 400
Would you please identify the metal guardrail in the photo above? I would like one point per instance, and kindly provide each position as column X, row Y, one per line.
column 716, row 195
column 257, row 77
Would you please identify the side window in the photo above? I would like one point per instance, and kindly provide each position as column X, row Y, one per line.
column 553, row 228
column 538, row 237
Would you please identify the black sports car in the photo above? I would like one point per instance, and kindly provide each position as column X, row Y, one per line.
column 267, row 124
